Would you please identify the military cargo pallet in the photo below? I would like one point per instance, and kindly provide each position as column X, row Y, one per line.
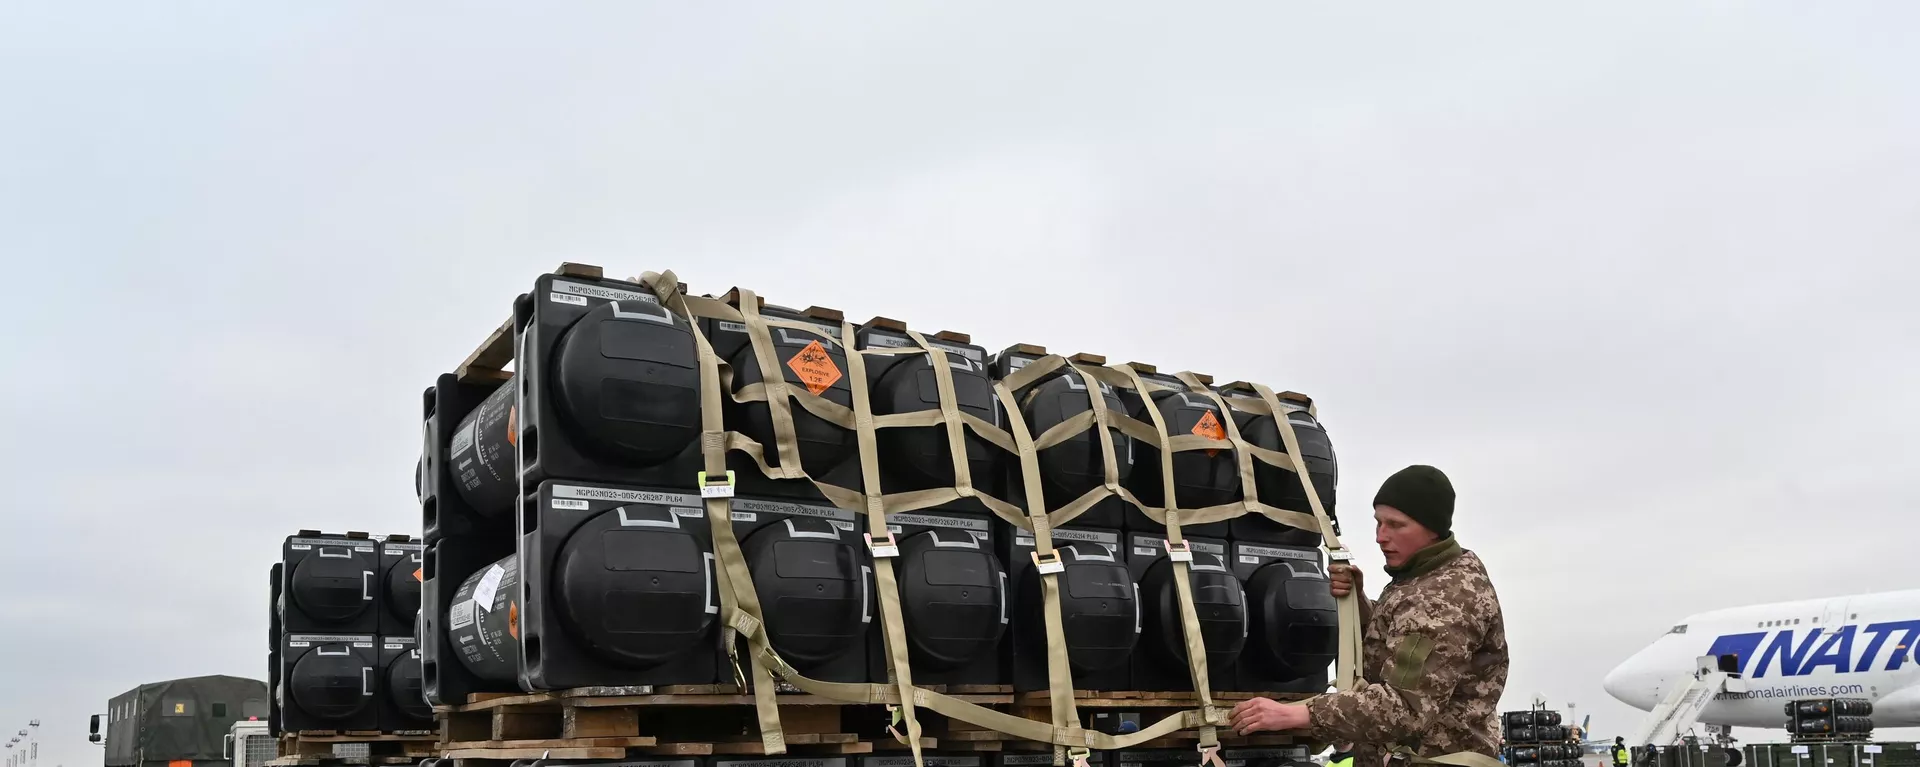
column 1833, row 754
column 704, row 720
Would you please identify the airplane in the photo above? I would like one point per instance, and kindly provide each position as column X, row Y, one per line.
column 1865, row 646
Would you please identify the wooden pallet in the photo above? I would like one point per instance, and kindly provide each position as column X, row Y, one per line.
column 313, row 748
column 702, row 720
column 488, row 361
column 680, row 720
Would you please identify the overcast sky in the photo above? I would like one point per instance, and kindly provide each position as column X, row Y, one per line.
column 1640, row 277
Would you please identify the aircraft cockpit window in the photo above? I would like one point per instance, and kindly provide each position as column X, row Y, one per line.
column 1680, row 629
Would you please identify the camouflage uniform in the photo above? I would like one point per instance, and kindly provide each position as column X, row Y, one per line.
column 1435, row 664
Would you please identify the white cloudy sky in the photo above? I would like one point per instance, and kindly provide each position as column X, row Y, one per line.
column 1639, row 276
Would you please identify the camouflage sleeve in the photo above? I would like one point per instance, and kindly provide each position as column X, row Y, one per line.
column 1431, row 645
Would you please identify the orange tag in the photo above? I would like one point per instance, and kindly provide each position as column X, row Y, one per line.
column 513, row 418
column 815, row 368
column 1210, row 428
column 180, row 763
column 513, row 619
column 417, row 573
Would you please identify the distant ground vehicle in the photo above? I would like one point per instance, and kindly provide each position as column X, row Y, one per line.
column 251, row 744
column 178, row 723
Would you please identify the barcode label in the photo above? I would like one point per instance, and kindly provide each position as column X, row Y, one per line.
column 462, row 615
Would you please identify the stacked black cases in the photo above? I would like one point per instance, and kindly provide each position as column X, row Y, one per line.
column 953, row 597
column 401, row 571
column 808, row 360
column 1112, row 721
column 606, row 390
column 1539, row 730
column 329, row 617
column 1154, row 757
column 814, row 578
column 462, row 537
column 483, row 625
column 609, row 387
column 448, row 669
column 617, row 588
column 1293, row 622
column 1160, row 664
column 1042, row 759
column 273, row 649
column 779, row 761
column 329, row 682
column 930, row 760
column 1851, row 717
column 403, row 702
column 1074, row 467
column 1099, row 609
column 1282, row 756
column 1201, row 478
column 1282, row 488
column 921, row 458
column 1536, row 738
column 467, row 473
column 1556, row 754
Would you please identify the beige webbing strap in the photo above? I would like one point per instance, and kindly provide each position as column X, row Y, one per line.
column 1352, row 634
column 883, row 546
column 1047, row 565
column 740, row 608
column 775, row 381
column 1180, row 556
column 1459, row 759
column 950, row 415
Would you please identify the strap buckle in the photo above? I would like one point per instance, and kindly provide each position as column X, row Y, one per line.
column 1049, row 564
column 893, row 724
column 714, row 489
column 739, row 675
column 1078, row 756
column 1340, row 555
column 884, row 547
column 1178, row 552
column 1210, row 755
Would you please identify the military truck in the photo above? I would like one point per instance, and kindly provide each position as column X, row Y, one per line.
column 250, row 744
column 178, row 723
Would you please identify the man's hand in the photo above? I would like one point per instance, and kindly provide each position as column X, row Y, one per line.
column 1264, row 715
column 1346, row 579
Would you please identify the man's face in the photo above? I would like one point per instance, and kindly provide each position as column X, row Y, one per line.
column 1398, row 535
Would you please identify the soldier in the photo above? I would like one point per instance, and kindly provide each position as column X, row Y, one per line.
column 1435, row 646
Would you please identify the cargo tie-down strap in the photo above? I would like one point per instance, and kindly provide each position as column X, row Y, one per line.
column 1461, row 759
column 742, row 620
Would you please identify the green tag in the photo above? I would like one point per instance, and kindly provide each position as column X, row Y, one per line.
column 1410, row 661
